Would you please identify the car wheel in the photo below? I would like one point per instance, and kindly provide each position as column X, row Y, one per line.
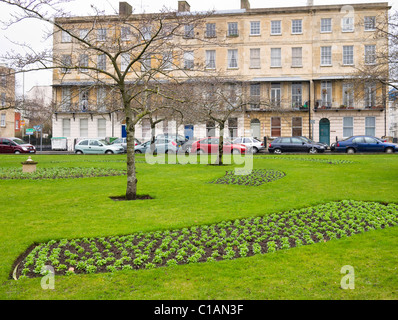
column 278, row 151
column 389, row 150
column 108, row 152
column 313, row 150
column 200, row 151
column 254, row 150
column 351, row 150
column 17, row 152
column 235, row 151
column 79, row 152
column 137, row 151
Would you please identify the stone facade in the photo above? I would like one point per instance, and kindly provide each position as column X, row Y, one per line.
column 7, row 102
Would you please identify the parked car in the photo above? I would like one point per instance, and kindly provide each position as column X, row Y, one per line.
column 96, row 146
column 253, row 145
column 162, row 145
column 364, row 144
column 186, row 147
column 123, row 143
column 210, row 145
column 293, row 144
column 15, row 145
column 177, row 137
column 313, row 142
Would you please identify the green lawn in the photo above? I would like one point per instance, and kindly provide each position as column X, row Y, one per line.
column 35, row 211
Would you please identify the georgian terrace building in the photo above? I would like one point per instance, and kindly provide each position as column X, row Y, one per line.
column 296, row 62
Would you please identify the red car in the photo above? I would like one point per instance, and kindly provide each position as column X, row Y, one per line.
column 210, row 145
column 15, row 145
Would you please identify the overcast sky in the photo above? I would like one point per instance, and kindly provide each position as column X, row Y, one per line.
column 32, row 32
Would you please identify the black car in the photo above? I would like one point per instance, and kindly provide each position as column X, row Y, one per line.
column 294, row 144
column 313, row 142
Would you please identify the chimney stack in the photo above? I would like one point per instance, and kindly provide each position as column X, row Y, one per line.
column 245, row 4
column 125, row 9
column 183, row 6
column 310, row 3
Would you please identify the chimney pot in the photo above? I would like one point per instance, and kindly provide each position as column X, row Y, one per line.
column 125, row 9
column 245, row 4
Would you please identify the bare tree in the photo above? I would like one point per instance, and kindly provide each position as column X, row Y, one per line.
column 113, row 51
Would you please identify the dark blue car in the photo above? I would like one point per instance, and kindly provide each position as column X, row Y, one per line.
column 364, row 144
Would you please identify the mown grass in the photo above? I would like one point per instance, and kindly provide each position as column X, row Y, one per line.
column 35, row 211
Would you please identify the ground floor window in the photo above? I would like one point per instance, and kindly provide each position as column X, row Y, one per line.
column 83, row 127
column 210, row 129
column 348, row 127
column 101, row 128
column 370, row 126
column 66, row 127
column 275, row 127
column 3, row 120
column 297, row 126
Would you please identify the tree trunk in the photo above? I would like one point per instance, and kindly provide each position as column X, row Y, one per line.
column 131, row 191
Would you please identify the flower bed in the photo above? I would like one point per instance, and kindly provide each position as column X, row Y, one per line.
column 254, row 177
column 59, row 173
column 221, row 241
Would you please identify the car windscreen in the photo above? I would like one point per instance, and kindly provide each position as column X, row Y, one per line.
column 104, row 142
column 19, row 141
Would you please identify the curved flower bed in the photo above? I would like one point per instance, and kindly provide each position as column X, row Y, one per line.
column 221, row 241
column 59, row 173
column 254, row 177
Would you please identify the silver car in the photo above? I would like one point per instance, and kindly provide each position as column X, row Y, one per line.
column 123, row 143
column 252, row 144
column 96, row 146
column 162, row 145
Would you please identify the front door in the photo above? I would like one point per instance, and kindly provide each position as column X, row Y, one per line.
column 324, row 131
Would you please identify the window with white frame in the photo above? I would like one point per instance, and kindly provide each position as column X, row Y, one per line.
column 347, row 24
column 101, row 128
column 297, row 100
column 370, row 54
column 167, row 61
column 255, row 95
column 66, row 62
column 370, row 126
column 101, row 62
column 188, row 60
column 66, row 127
column 297, row 57
column 83, row 33
column 146, row 32
column 66, row 99
column 146, row 63
column 210, row 30
column 65, row 36
column 101, row 96
column 124, row 61
column 83, row 62
column 326, row 56
column 370, row 94
column 3, row 120
column 101, row 34
column 232, row 29
column 326, row 25
column 189, row 31
column 233, row 58
column 348, row 94
column 210, row 59
column 146, row 129
column 297, row 126
column 326, row 93
column 348, row 55
column 297, row 26
column 254, row 28
column 3, row 99
column 255, row 58
column 370, row 23
column 125, row 33
column 276, row 94
column 276, row 27
column 83, row 128
column 3, row 80
column 276, row 58
column 348, row 127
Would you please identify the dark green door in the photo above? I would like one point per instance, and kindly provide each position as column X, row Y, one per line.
column 324, row 131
